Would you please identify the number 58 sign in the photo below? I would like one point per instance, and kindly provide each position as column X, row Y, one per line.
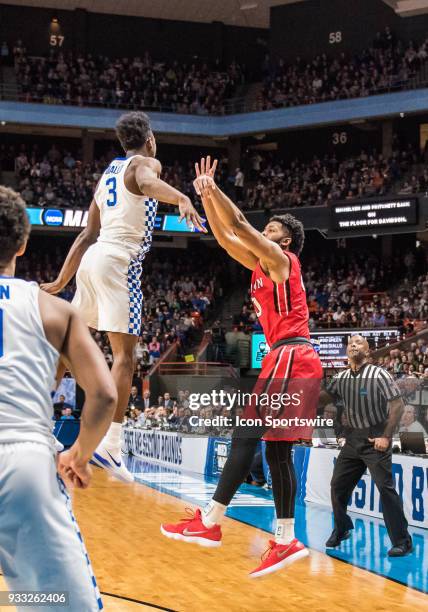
column 335, row 38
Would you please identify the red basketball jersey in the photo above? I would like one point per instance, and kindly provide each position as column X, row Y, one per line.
column 281, row 307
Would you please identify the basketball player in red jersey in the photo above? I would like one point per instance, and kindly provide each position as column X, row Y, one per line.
column 292, row 366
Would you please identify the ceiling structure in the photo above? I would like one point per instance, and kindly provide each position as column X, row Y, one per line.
column 249, row 13
column 406, row 8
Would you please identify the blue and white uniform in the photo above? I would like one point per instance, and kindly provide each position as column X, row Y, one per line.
column 40, row 544
column 109, row 295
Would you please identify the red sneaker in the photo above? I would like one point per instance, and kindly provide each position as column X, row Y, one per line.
column 193, row 530
column 278, row 556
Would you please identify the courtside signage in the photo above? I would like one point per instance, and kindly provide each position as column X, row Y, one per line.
column 77, row 219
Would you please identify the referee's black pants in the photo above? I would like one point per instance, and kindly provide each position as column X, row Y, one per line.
column 355, row 456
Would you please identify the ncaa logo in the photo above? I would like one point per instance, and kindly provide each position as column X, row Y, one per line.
column 53, row 217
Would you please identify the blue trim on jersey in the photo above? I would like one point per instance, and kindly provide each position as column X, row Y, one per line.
column 4, row 276
column 135, row 270
column 120, row 158
column 67, row 500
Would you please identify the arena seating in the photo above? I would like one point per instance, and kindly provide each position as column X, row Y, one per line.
column 179, row 295
column 55, row 176
column 388, row 65
column 136, row 83
column 354, row 291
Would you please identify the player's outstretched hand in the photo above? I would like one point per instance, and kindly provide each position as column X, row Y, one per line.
column 73, row 470
column 205, row 172
column 53, row 288
column 189, row 212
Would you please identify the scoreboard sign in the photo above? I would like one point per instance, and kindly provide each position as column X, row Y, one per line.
column 331, row 345
column 374, row 215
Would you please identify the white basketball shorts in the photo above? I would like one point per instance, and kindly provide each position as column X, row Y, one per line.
column 41, row 548
column 108, row 295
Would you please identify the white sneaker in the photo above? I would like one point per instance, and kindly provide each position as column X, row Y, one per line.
column 111, row 460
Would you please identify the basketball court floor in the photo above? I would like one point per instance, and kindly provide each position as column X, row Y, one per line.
column 139, row 569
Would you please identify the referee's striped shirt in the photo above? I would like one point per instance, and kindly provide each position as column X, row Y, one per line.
column 365, row 394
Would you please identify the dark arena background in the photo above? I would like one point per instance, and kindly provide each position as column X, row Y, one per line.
column 318, row 108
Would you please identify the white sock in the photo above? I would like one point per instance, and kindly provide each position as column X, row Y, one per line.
column 213, row 514
column 112, row 437
column 284, row 531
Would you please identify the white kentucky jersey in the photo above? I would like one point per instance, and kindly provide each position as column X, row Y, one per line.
column 127, row 220
column 28, row 364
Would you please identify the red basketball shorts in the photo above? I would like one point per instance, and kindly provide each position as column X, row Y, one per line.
column 285, row 397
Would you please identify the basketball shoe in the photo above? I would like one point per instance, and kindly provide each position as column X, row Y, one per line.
column 278, row 556
column 192, row 529
column 110, row 459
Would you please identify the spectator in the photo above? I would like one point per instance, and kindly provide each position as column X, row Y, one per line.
column 67, row 414
column 409, row 421
column 239, row 185
column 146, row 399
column 59, row 406
column 135, row 400
column 4, row 54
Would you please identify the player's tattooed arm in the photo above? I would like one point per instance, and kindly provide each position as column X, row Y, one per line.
column 84, row 240
column 270, row 254
column 147, row 173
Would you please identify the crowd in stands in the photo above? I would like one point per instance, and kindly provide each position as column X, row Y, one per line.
column 388, row 65
column 409, row 363
column 349, row 290
column 179, row 295
column 137, row 83
column 197, row 87
column 277, row 184
column 56, row 177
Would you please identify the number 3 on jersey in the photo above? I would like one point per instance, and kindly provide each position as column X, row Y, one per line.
column 111, row 183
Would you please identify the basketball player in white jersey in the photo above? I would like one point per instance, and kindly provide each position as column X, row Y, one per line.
column 108, row 255
column 40, row 544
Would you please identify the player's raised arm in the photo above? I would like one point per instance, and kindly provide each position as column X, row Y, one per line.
column 268, row 252
column 84, row 240
column 147, row 176
column 224, row 236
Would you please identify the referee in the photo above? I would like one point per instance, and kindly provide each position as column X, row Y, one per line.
column 372, row 407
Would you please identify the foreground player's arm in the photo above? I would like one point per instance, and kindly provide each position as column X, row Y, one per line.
column 227, row 239
column 268, row 252
column 84, row 240
column 147, row 176
column 70, row 336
